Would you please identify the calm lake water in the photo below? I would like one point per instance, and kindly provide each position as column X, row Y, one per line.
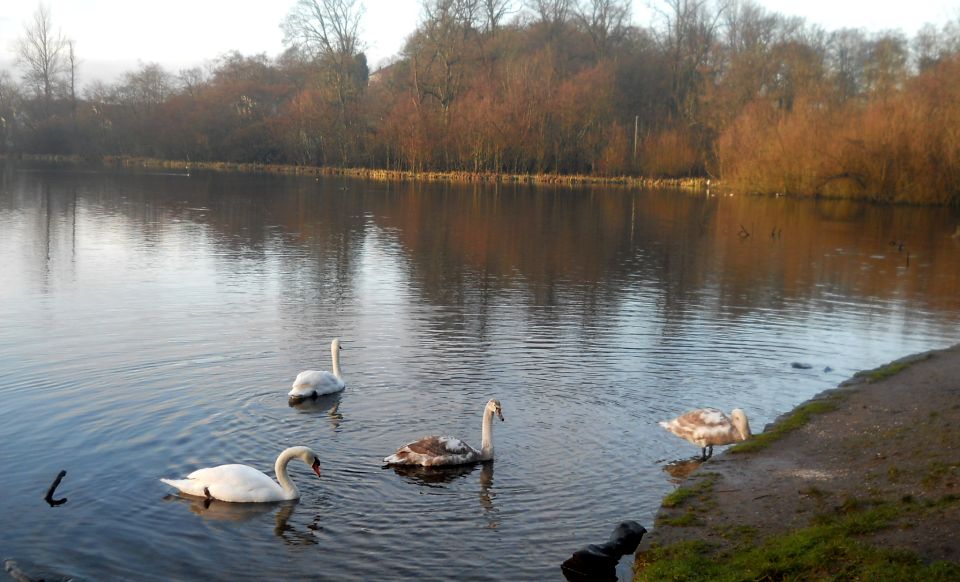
column 151, row 323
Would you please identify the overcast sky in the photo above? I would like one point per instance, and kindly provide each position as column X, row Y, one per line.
column 113, row 36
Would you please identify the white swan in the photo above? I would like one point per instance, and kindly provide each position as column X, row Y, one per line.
column 311, row 383
column 244, row 484
column 444, row 450
column 707, row 427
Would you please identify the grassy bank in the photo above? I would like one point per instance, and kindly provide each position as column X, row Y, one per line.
column 831, row 548
column 860, row 483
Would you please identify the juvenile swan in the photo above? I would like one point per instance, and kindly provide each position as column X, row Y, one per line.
column 706, row 427
column 444, row 450
column 310, row 383
column 244, row 484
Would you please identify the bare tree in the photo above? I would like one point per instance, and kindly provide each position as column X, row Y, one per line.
column 847, row 50
column 145, row 88
column 691, row 31
column 9, row 102
column 324, row 28
column 606, row 21
column 190, row 80
column 551, row 12
column 494, row 11
column 327, row 32
column 72, row 65
column 886, row 62
column 438, row 50
column 40, row 54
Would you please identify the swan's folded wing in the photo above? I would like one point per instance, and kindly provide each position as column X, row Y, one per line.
column 440, row 445
column 699, row 426
column 433, row 450
column 313, row 382
column 235, row 483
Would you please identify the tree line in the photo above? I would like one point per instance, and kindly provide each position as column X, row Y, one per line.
column 717, row 88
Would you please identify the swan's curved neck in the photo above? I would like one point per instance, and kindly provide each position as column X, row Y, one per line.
column 335, row 356
column 289, row 488
column 486, row 442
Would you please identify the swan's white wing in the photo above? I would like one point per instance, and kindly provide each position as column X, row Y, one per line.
column 434, row 450
column 238, row 483
column 312, row 382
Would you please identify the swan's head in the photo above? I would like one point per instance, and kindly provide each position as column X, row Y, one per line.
column 739, row 419
column 309, row 457
column 335, row 345
column 494, row 408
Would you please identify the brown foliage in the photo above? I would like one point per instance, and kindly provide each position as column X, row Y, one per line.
column 760, row 100
column 903, row 148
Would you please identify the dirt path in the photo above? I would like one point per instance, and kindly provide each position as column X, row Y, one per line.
column 877, row 461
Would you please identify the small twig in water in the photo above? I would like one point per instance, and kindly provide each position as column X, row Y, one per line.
column 744, row 233
column 53, row 488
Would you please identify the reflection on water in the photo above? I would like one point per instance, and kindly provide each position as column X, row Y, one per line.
column 437, row 476
column 680, row 469
column 217, row 510
column 327, row 405
column 222, row 510
column 152, row 323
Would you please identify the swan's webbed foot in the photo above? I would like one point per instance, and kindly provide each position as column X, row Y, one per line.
column 206, row 492
column 706, row 453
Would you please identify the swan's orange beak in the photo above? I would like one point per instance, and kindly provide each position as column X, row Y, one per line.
column 316, row 466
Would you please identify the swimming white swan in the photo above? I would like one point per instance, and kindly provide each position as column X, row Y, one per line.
column 244, row 484
column 310, row 383
column 444, row 450
column 706, row 427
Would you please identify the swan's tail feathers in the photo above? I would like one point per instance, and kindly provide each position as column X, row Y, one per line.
column 188, row 486
column 665, row 424
column 396, row 458
column 302, row 390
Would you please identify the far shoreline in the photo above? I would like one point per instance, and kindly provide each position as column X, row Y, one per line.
column 698, row 185
column 384, row 175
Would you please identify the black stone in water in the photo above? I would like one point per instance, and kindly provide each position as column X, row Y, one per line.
column 801, row 365
column 599, row 562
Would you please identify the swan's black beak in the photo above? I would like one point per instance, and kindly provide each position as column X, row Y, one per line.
column 316, row 466
column 500, row 414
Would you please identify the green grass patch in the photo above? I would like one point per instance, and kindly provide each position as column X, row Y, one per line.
column 829, row 550
column 703, row 485
column 884, row 372
column 937, row 472
column 739, row 534
column 685, row 520
column 679, row 495
column 799, row 417
column 891, row 369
